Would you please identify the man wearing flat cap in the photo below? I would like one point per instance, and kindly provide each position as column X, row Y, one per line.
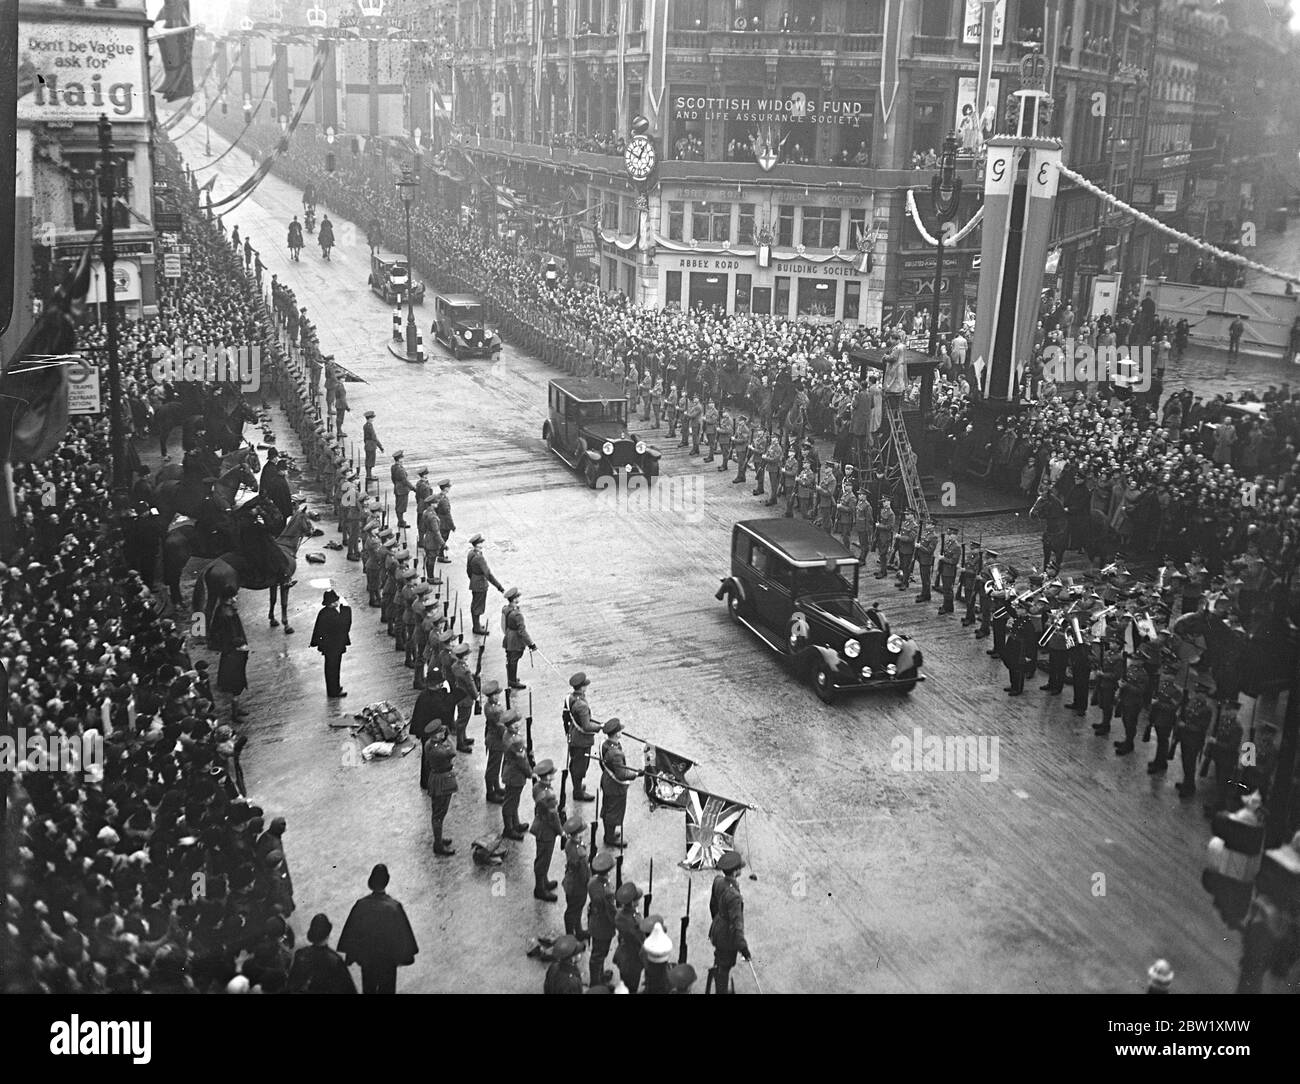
column 615, row 777
column 330, row 637
column 582, row 730
column 727, row 931
column 546, row 829
column 476, row 568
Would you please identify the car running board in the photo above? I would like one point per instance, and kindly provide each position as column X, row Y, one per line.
column 776, row 643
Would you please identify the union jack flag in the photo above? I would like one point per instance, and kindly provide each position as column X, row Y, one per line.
column 710, row 828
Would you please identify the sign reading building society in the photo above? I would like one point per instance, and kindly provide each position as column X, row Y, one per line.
column 797, row 107
column 72, row 72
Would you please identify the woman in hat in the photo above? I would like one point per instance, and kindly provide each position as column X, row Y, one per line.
column 226, row 635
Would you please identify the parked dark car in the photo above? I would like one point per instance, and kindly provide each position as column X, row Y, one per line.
column 389, row 277
column 458, row 325
column 796, row 587
column 586, row 426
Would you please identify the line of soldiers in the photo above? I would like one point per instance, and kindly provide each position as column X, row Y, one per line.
column 1103, row 637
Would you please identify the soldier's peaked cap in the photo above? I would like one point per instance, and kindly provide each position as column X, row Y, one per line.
column 613, row 726
column 369, row 414
column 545, row 767
column 579, row 679
column 566, row 946
column 575, row 824
column 602, row 863
column 445, row 483
column 729, row 861
column 512, row 593
column 460, row 650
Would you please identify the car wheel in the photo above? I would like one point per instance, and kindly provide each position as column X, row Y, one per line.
column 591, row 472
column 823, row 682
column 908, row 683
column 736, row 606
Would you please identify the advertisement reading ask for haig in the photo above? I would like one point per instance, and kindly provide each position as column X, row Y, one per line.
column 71, row 72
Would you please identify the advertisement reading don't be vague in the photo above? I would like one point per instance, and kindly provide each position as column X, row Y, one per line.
column 68, row 72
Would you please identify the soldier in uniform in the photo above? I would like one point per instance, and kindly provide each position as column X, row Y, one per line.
column 615, row 778
column 515, row 772
column 789, row 482
column 772, row 463
column 423, row 492
column 681, row 977
column 727, row 929
column 577, row 874
column 446, row 525
column 1021, row 650
column 824, row 495
column 695, row 425
column 927, row 544
column 739, row 443
column 884, row 537
column 442, row 785
column 1080, row 660
column 372, row 445
column 656, row 401
column 546, row 829
column 431, row 539
column 465, row 693
column 726, row 434
column 600, row 916
column 582, row 731
column 670, row 410
column 476, row 568
column 949, row 557
column 1134, row 691
column 401, row 487
column 1108, row 679
column 350, row 521
column 494, row 740
column 844, row 516
column 646, row 392
column 340, row 406
column 805, row 485
column 710, row 420
column 516, row 637
column 627, row 924
column 759, row 439
column 1164, row 716
column 1194, row 724
column 906, row 544
column 972, row 569
column 563, row 976
column 998, row 612
column 1057, row 651
column 417, row 637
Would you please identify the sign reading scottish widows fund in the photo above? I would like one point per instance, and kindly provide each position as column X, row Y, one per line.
column 795, row 106
column 72, row 72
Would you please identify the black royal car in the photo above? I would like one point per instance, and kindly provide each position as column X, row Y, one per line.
column 796, row 588
column 586, row 426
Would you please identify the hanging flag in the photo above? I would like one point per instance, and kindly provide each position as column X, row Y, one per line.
column 891, row 49
column 622, row 68
column 710, row 828
column 670, row 769
column 656, row 83
column 987, row 38
column 177, row 52
column 573, row 68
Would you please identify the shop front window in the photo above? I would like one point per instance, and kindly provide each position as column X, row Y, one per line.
column 816, row 297
column 745, row 230
column 85, row 191
column 785, row 225
column 744, row 285
column 673, row 289
column 852, row 299
column 711, row 222
column 781, row 303
column 821, row 227
column 676, row 220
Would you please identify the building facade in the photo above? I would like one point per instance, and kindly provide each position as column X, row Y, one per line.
column 77, row 63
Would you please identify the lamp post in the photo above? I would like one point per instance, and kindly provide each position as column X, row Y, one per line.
column 406, row 189
column 108, row 205
column 945, row 189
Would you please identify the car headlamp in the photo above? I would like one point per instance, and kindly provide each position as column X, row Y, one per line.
column 894, row 644
column 852, row 649
column 640, row 447
column 607, row 447
column 468, row 335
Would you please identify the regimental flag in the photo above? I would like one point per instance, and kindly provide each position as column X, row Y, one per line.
column 665, row 777
column 710, row 828
column 177, row 52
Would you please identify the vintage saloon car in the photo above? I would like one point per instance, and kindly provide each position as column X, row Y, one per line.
column 796, row 587
column 389, row 277
column 458, row 325
column 586, row 426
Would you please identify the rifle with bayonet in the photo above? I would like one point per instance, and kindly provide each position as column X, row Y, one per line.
column 564, row 784
column 618, row 872
column 650, row 889
column 591, row 851
column 478, row 680
column 528, row 731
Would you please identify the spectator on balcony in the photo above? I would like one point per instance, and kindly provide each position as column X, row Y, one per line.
column 584, row 27
column 787, row 24
column 755, row 24
column 863, row 156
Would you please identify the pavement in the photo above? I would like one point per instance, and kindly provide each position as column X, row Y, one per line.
column 1065, row 870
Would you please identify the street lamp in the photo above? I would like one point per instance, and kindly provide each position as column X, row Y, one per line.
column 945, row 189
column 406, row 188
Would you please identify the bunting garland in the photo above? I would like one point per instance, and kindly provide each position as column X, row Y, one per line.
column 926, row 236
